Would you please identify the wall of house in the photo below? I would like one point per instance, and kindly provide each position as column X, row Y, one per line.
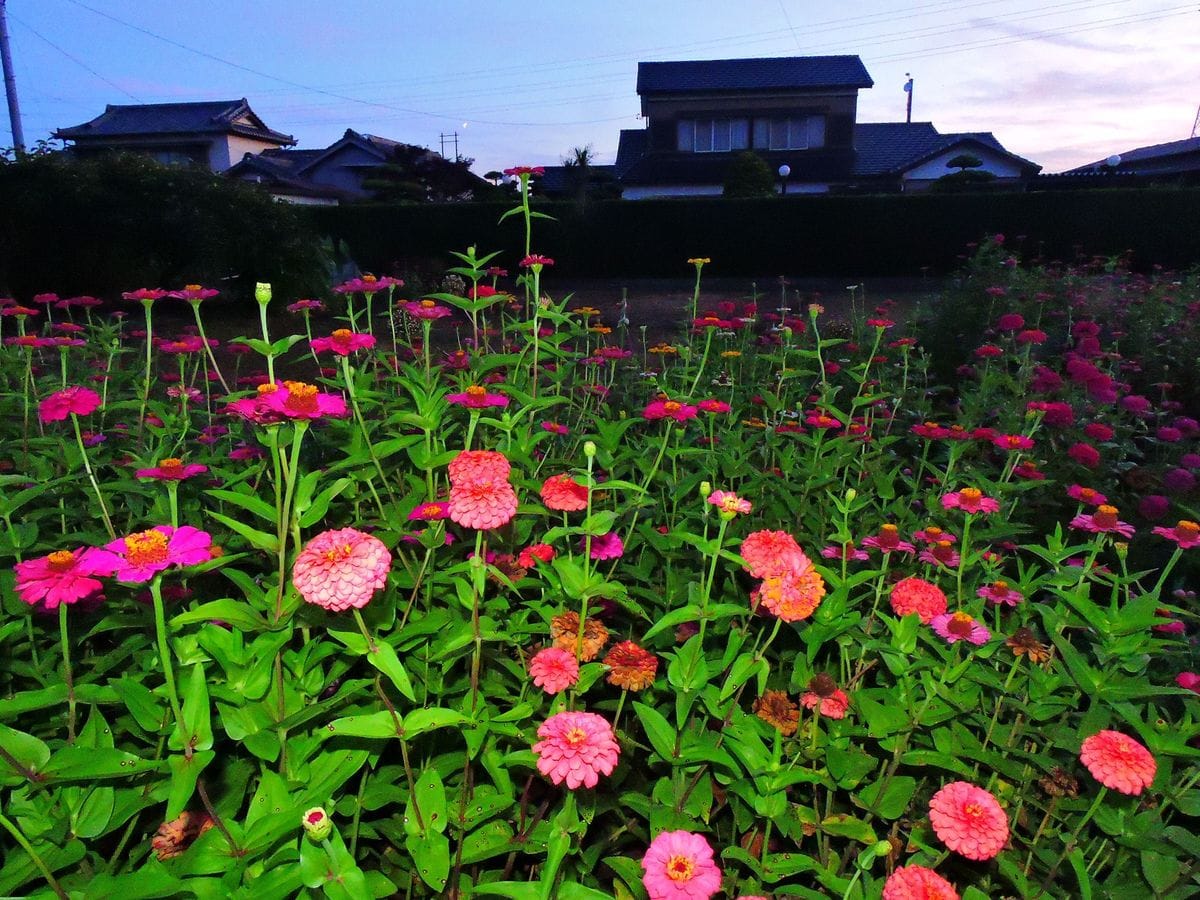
column 933, row 169
column 650, row 192
column 228, row 149
column 839, row 107
column 341, row 169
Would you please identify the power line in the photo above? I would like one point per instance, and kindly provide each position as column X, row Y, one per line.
column 74, row 59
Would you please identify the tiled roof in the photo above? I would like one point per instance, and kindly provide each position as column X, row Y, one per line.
column 630, row 148
column 559, row 179
column 888, row 148
column 787, row 72
column 268, row 170
column 216, row 116
column 1144, row 154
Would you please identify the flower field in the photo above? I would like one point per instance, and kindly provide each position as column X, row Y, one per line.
column 506, row 601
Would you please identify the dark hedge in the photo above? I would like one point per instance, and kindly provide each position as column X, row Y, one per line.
column 827, row 235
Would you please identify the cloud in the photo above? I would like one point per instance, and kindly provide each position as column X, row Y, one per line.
column 1050, row 36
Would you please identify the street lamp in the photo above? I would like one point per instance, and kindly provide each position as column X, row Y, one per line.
column 784, row 171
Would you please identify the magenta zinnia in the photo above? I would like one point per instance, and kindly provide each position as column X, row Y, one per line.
column 75, row 400
column 960, row 626
column 679, row 866
column 63, row 576
column 172, row 469
column 970, row 500
column 576, row 747
column 343, row 342
column 340, row 569
column 140, row 556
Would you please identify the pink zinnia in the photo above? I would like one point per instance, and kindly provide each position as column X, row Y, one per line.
column 1186, row 534
column 1103, row 521
column 607, row 546
column 1084, row 454
column 63, row 576
column 669, row 409
column 534, row 554
column 1086, row 495
column 729, row 504
column 1118, row 762
column 172, row 469
column 915, row 595
column 426, row 309
column 713, row 406
column 918, row 883
column 340, row 569
column 826, row 697
column 679, row 866
column 75, row 400
column 968, row 820
column 888, row 540
column 970, row 500
column 343, row 342
column 576, row 747
column 772, row 553
column 791, row 596
column 140, row 556
column 480, row 495
column 1000, row 592
column 146, row 295
column 430, row 512
column 477, row 397
column 845, row 551
column 564, row 493
column 297, row 400
column 554, row 669
column 960, row 626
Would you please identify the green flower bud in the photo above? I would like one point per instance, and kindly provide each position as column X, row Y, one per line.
column 589, row 449
column 262, row 292
column 705, row 489
column 851, row 494
column 317, row 824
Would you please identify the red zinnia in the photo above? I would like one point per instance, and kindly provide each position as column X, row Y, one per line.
column 915, row 595
column 1118, row 762
column 564, row 493
column 918, row 883
column 968, row 820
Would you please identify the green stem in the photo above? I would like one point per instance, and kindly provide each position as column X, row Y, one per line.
column 164, row 652
column 207, row 348
column 87, row 465
column 33, row 854
column 146, row 304
column 266, row 336
column 68, row 675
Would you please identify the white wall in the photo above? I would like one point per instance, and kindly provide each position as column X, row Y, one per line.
column 931, row 170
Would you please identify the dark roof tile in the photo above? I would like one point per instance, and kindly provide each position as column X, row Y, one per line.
column 214, row 116
column 779, row 73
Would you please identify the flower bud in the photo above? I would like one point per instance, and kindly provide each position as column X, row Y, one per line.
column 705, row 489
column 589, row 449
column 317, row 824
column 851, row 494
column 262, row 292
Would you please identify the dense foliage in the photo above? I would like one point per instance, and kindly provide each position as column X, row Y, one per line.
column 554, row 613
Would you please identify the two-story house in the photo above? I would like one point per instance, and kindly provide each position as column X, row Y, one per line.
column 800, row 112
column 212, row 134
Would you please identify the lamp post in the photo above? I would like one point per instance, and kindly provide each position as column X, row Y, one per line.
column 784, row 171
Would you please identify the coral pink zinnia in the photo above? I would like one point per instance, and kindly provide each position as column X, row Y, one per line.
column 791, row 596
column 482, row 503
column 679, row 866
column 970, row 500
column 564, row 493
column 915, row 595
column 554, row 669
column 478, row 465
column 968, row 820
column 140, row 556
column 340, row 569
column 576, row 747
column 729, row 504
column 772, row 553
column 918, row 883
column 1119, row 762
column 63, row 576
column 74, row 399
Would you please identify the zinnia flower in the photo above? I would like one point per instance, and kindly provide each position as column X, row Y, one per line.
column 63, row 576
column 1025, row 643
column 565, row 631
column 1118, row 762
column 630, row 667
column 476, row 465
column 297, row 400
column 340, row 569
column 918, row 883
column 1186, row 534
column 968, row 820
column 426, row 309
column 535, row 553
column 824, row 695
column 1000, row 592
column 772, row 553
column 970, row 500
column 607, row 546
column 174, row 837
column 679, row 866
column 888, row 540
column 1103, row 521
column 430, row 512
column 172, row 469
column 564, row 493
column 1086, row 495
column 343, row 342
column 669, row 409
column 960, row 626
column 729, row 504
column 74, row 399
column 554, row 669
column 477, row 397
column 791, row 596
column 777, row 710
column 140, row 556
column 915, row 595
column 482, row 503
column 576, row 747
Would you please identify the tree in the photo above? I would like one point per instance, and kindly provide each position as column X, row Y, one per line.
column 749, row 176
column 964, row 161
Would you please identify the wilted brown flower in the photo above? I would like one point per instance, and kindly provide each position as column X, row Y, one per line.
column 630, row 666
column 1025, row 643
column 508, row 565
column 776, row 709
column 1059, row 783
column 174, row 837
column 565, row 631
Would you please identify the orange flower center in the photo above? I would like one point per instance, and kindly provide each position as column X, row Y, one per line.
column 960, row 624
column 301, row 397
column 191, row 287
column 428, row 304
column 476, row 392
column 974, row 810
column 680, row 868
column 342, row 334
column 370, row 279
column 430, row 509
column 1187, row 530
column 146, row 548
column 942, row 550
column 1105, row 516
column 933, row 533
column 1000, row 584
column 269, row 388
column 170, row 464
column 61, row 561
column 575, row 737
column 971, row 495
column 1087, row 495
column 336, row 554
column 672, row 406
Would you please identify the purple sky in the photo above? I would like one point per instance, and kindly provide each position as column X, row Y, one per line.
column 1060, row 83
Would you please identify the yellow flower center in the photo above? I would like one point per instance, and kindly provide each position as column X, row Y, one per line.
column 61, row 560
column 680, row 868
column 476, row 392
column 971, row 495
column 974, row 810
column 336, row 554
column 575, row 737
column 170, row 464
column 146, row 548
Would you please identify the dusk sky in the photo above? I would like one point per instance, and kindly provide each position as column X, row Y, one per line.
column 1060, row 83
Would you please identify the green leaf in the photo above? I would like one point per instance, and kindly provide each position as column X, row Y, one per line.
column 380, row 724
column 888, row 799
column 487, row 841
column 26, row 751
column 384, row 658
column 689, row 613
column 259, row 540
column 848, row 826
column 431, row 857
column 658, row 730
column 570, row 890
column 250, row 502
column 420, row 721
column 184, row 772
column 1160, row 871
column 87, row 763
column 1079, row 864
column 197, row 714
column 430, row 795
column 241, row 616
column 312, row 513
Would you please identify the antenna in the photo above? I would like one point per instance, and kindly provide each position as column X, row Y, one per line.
column 451, row 137
column 1196, row 124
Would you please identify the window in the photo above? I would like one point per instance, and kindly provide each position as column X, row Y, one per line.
column 798, row 133
column 713, row 135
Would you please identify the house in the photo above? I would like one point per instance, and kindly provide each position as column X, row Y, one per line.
column 1173, row 162
column 800, row 112
column 213, row 134
column 359, row 167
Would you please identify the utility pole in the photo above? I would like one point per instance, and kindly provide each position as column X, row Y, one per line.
column 908, row 89
column 445, row 139
column 10, row 83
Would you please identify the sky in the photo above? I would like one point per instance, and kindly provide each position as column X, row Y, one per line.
column 1061, row 83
